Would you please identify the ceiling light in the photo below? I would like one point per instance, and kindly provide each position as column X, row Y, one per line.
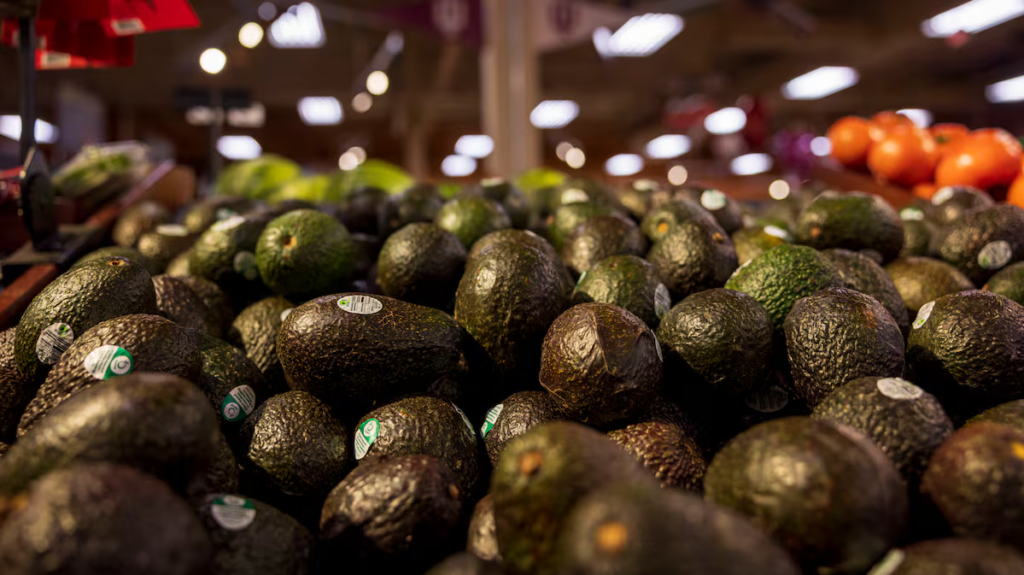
column 212, row 61
column 46, row 133
column 395, row 42
column 348, row 161
column 1011, row 90
column 726, row 121
column 923, row 118
column 624, row 165
column 474, row 146
column 678, row 175
column 359, row 153
column 299, row 27
column 554, row 114
column 562, row 149
column 267, row 11
column 750, row 164
column 972, row 17
column 321, row 111
column 362, row 102
column 252, row 117
column 377, row 83
column 821, row 146
column 250, row 35
column 640, row 36
column 239, row 147
column 779, row 190
column 819, row 83
column 575, row 158
column 668, row 146
column 456, row 166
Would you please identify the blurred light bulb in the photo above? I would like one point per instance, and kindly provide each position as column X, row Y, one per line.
column 377, row 83
column 562, row 149
column 348, row 161
column 575, row 158
column 250, row 35
column 678, row 175
column 362, row 102
column 213, row 61
column 779, row 190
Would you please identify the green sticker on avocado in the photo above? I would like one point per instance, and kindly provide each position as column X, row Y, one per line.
column 108, row 361
column 232, row 512
column 366, row 434
column 245, row 265
column 490, row 420
column 238, row 403
column 53, row 342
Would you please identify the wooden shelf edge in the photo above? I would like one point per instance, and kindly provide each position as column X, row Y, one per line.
column 848, row 181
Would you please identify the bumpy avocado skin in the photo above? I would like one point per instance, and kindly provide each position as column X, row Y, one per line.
column 481, row 540
column 921, row 280
column 853, row 221
column 304, row 253
column 602, row 237
column 752, row 242
column 422, row 264
column 861, row 273
column 182, row 305
column 954, row 202
column 1008, row 282
column 629, row 282
column 673, row 457
column 138, row 220
column 960, row 556
column 567, row 218
column 162, row 248
column 273, row 544
column 968, row 243
column 226, row 254
column 663, row 219
column 693, row 257
column 1010, row 414
column 118, row 252
column 470, row 218
column 255, row 331
column 520, row 412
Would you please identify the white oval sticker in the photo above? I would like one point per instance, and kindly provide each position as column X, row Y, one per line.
column 232, row 512
column 777, row 232
column 889, row 564
column 768, row 400
column 366, row 434
column 360, row 304
column 465, row 420
column 175, row 230
column 490, row 420
column 712, row 200
column 229, row 224
column 923, row 314
column 53, row 342
column 897, row 388
column 995, row 255
column 245, row 265
column 942, row 196
column 108, row 361
column 485, row 279
column 492, row 182
column 662, row 301
column 574, row 196
column 912, row 215
column 286, row 313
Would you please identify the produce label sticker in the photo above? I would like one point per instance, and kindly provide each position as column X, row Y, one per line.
column 108, row 361
column 777, row 232
column 490, row 420
column 227, row 213
column 465, row 419
column 232, row 512
column 739, row 269
column 662, row 301
column 229, row 223
column 896, row 388
column 942, row 196
column 492, row 182
column 286, row 313
column 923, row 314
column 485, row 279
column 175, row 230
column 360, row 304
column 583, row 276
column 238, row 403
column 995, row 255
column 712, row 200
column 366, row 434
column 889, row 564
column 53, row 342
column 245, row 265
column 768, row 400
column 911, row 215
column 574, row 196
column 657, row 347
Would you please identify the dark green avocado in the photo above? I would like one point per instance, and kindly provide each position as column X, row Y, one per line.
column 250, row 536
column 217, row 302
column 118, row 252
column 951, row 203
column 232, row 383
column 861, row 273
column 752, row 242
column 601, row 363
column 101, row 519
column 464, row 563
column 1008, row 282
column 917, row 231
column 178, row 267
column 693, row 257
column 16, row 391
column 629, row 282
column 470, row 218
column 137, row 220
column 837, row 335
column 420, row 203
column 568, row 217
column 510, row 197
column 794, row 476
column 360, row 208
column 905, row 421
column 514, row 416
column 921, row 280
column 481, row 540
column 226, row 253
column 165, row 243
column 422, row 264
column 854, row 221
column 221, row 475
column 255, row 331
column 525, row 237
column 663, row 219
column 8, row 361
column 304, row 252
column 210, row 211
column 1010, row 414
column 725, row 211
column 179, row 303
column 954, row 555
column 354, row 350
column 666, row 451
column 602, row 237
column 982, row 242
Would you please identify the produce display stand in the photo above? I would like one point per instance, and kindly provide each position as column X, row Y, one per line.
column 845, row 180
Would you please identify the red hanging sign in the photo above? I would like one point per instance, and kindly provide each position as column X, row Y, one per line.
column 124, row 17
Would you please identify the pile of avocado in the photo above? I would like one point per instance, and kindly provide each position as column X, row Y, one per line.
column 525, row 382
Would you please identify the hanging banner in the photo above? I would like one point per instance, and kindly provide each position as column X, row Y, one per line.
column 124, row 17
column 66, row 44
column 562, row 23
column 456, row 20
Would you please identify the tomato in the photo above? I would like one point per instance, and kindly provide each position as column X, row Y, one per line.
column 1016, row 193
column 949, row 137
column 906, row 156
column 925, row 190
column 986, row 159
column 851, row 141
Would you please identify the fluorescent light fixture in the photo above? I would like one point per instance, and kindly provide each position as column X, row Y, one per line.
column 46, row 133
column 474, row 146
column 252, row 117
column 299, row 27
column 575, row 158
column 554, row 114
column 250, row 35
column 819, row 83
column 624, row 165
column 678, row 175
column 212, row 61
column 456, row 166
column 750, row 164
column 239, row 147
column 377, row 83
column 726, row 121
column 923, row 118
column 640, row 36
column 779, row 190
column 320, row 111
column 669, row 146
column 1011, row 90
column 972, row 17
column 821, row 146
column 562, row 149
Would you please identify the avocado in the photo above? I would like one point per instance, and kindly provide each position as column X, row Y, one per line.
column 954, row 202
column 216, row 301
column 481, row 540
column 366, row 251
column 179, row 267
column 74, row 302
column 249, row 536
column 602, row 237
column 232, row 383
column 666, row 412
column 165, row 243
column 101, row 519
column 952, row 555
column 470, row 218
column 564, row 221
column 525, row 237
column 661, row 220
column 304, row 252
column 752, row 242
column 514, row 416
column 8, row 361
column 4, row 448
column 116, row 347
column 464, row 563
column 967, row 346
column 693, row 257
column 298, row 445
column 716, row 339
column 861, row 273
column 629, row 282
column 921, row 280
column 419, row 203
column 582, row 190
column 422, row 264
column 917, row 231
column 905, row 421
column 177, row 302
column 854, row 221
column 137, row 220
column 725, row 211
column 1010, row 414
column 601, row 363
column 118, row 252
column 638, row 530
column 210, row 211
column 542, row 474
column 226, row 254
column 360, row 209
column 824, row 492
column 638, row 197
column 982, row 242
column 354, row 350
column 837, row 335
column 158, row 423
column 509, row 197
column 665, row 449
column 507, row 299
column 221, row 475
column 1009, row 282
column 16, row 391
column 398, row 514
column 974, row 479
column 781, row 276
column 255, row 331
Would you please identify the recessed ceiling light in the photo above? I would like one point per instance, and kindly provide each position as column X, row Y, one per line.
column 456, row 166
column 668, row 146
column 750, row 164
column 45, row 132
column 554, row 114
column 922, row 118
column 575, row 158
column 821, row 146
column 726, row 121
column 477, row 146
column 320, row 111
column 640, row 36
column 250, row 35
column 624, row 165
column 972, row 17
column 819, row 83
column 377, row 83
column 299, row 27
column 1011, row 90
column 212, row 61
column 239, row 147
